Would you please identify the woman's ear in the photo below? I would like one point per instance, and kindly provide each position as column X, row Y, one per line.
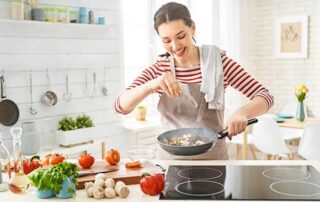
column 193, row 28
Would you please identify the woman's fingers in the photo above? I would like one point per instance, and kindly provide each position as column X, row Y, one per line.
column 170, row 85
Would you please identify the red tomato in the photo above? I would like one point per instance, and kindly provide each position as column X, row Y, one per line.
column 113, row 157
column 46, row 159
column 31, row 165
column 56, row 159
column 86, row 160
column 152, row 184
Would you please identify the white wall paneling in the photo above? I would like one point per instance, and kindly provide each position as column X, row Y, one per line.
column 282, row 75
column 77, row 48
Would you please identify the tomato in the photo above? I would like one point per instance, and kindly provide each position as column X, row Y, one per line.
column 56, row 159
column 46, row 159
column 86, row 160
column 133, row 164
column 152, row 184
column 113, row 157
column 31, row 165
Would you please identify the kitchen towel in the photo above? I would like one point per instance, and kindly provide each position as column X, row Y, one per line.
column 212, row 76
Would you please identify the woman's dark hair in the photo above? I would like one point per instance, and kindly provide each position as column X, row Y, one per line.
column 170, row 12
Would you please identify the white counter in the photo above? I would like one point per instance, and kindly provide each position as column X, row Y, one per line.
column 136, row 195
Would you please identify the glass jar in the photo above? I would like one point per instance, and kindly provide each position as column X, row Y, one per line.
column 17, row 9
column 50, row 14
column 73, row 16
column 62, row 15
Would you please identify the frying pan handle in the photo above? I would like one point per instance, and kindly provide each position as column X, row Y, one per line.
column 224, row 133
column 3, row 88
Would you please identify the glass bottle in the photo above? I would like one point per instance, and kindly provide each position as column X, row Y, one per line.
column 19, row 181
column 17, row 9
column 4, row 164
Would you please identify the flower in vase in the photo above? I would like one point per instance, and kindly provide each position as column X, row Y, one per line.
column 301, row 92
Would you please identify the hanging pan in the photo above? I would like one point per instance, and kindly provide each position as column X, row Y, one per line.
column 9, row 111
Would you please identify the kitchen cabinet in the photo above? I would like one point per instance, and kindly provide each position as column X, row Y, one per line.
column 137, row 195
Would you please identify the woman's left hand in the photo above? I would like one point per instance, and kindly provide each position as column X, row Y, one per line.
column 237, row 124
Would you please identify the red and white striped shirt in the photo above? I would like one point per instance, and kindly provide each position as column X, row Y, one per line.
column 234, row 75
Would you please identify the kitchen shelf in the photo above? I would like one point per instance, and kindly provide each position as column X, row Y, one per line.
column 43, row 29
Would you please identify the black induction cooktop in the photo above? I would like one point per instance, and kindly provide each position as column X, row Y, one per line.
column 234, row 182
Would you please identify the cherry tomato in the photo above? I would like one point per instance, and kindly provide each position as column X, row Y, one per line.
column 56, row 159
column 113, row 157
column 86, row 160
column 152, row 184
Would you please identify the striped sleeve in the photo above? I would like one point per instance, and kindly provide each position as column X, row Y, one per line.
column 238, row 78
column 152, row 72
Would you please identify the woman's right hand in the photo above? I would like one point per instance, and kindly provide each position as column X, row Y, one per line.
column 166, row 82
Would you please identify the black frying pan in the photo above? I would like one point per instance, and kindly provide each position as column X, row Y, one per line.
column 9, row 111
column 209, row 136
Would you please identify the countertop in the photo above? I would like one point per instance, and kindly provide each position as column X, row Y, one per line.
column 136, row 195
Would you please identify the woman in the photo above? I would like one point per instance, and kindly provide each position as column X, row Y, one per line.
column 191, row 81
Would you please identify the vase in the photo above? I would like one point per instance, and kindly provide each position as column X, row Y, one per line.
column 66, row 186
column 300, row 112
column 44, row 193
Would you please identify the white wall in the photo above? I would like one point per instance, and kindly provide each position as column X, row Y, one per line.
column 281, row 75
column 26, row 45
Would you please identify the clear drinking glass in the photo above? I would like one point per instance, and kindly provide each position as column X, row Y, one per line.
column 4, row 164
column 48, row 138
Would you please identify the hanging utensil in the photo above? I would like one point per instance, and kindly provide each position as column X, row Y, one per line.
column 86, row 86
column 49, row 98
column 94, row 93
column 32, row 110
column 67, row 96
column 9, row 111
column 104, row 88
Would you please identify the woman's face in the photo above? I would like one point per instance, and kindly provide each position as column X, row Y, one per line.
column 176, row 38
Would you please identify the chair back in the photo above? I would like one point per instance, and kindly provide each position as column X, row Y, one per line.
column 309, row 146
column 267, row 137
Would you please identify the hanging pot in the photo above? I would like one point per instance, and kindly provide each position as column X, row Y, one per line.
column 9, row 111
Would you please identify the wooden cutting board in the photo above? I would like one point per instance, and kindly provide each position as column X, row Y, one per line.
column 117, row 172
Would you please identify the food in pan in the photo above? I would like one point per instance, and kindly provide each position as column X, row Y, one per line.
column 184, row 140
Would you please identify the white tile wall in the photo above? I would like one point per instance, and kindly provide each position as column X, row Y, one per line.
column 26, row 45
column 281, row 75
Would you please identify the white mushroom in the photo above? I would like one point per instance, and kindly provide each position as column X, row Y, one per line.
column 100, row 176
column 109, row 183
column 118, row 184
column 89, row 192
column 98, row 183
column 122, row 191
column 98, row 192
column 109, row 192
column 87, row 185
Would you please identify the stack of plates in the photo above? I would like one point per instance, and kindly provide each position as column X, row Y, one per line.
column 282, row 117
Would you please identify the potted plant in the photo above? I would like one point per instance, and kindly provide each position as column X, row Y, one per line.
column 58, row 180
column 73, row 131
column 140, row 113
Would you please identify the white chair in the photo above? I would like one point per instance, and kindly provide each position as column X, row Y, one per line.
column 309, row 147
column 238, row 140
column 268, row 139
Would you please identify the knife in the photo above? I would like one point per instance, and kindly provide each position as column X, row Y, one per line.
column 92, row 172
